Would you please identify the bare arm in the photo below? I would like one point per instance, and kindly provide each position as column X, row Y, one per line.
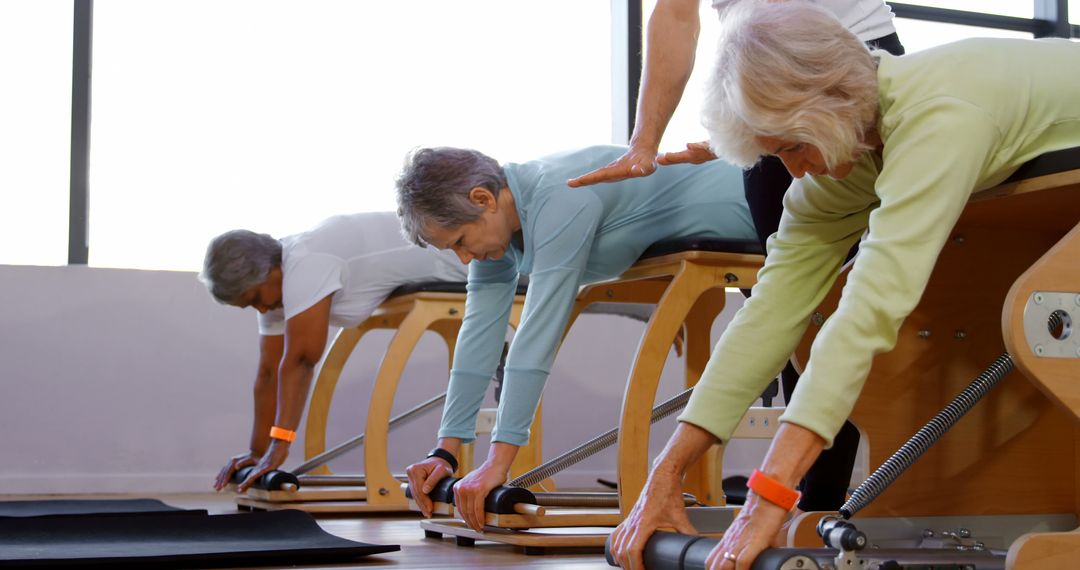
column 672, row 36
column 265, row 395
column 305, row 339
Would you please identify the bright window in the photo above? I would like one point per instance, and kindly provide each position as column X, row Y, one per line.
column 35, row 131
column 1016, row 8
column 211, row 115
column 1074, row 12
column 916, row 35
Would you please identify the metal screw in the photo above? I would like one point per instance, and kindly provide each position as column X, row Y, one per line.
column 731, row 277
column 980, row 545
column 384, row 491
column 386, row 321
column 960, row 334
column 799, row 563
column 927, row 533
column 1039, row 349
column 753, row 421
column 610, row 293
column 817, row 318
column 453, row 311
column 924, row 333
column 1038, row 298
column 963, row 532
column 958, row 238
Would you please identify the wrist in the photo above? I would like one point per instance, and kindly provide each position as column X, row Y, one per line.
column 446, row 456
column 501, row 455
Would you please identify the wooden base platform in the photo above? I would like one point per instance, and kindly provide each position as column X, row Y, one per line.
column 533, row 541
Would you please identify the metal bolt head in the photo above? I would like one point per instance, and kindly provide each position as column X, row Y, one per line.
column 960, row 334
column 453, row 311
column 1039, row 350
column 817, row 318
column 924, row 333
column 384, row 491
column 963, row 533
column 927, row 533
column 731, row 277
column 610, row 293
column 958, row 238
column 1038, row 298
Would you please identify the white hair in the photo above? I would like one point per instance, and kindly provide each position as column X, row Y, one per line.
column 791, row 71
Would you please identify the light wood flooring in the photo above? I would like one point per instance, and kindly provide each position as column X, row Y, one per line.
column 416, row 551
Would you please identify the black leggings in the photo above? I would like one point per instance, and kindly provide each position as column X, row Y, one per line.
column 824, row 488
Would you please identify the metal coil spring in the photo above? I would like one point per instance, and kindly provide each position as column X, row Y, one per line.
column 595, row 445
column 926, row 436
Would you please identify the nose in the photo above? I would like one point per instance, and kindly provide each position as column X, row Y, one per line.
column 796, row 167
column 463, row 255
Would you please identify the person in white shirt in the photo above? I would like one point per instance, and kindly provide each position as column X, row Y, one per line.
column 333, row 275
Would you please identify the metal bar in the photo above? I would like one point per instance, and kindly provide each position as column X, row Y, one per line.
column 596, row 444
column 82, row 56
column 964, row 18
column 330, row 454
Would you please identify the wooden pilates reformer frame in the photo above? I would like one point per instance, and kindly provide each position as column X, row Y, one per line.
column 686, row 281
column 410, row 311
column 1004, row 482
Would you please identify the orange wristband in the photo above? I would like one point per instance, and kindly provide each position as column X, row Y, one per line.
column 772, row 490
column 283, row 434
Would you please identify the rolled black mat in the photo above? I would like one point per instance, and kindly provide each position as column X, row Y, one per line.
column 53, row 507
column 158, row 540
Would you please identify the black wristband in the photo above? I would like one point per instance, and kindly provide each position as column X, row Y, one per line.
column 445, row 456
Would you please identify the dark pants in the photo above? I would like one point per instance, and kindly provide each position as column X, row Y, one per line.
column 825, row 486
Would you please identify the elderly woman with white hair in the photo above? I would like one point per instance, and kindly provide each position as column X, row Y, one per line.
column 335, row 274
column 521, row 219
column 890, row 147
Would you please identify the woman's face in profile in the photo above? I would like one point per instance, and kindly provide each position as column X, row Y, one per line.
column 801, row 158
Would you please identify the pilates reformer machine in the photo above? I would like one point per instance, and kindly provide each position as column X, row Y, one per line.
column 1000, row 489
column 685, row 280
column 409, row 311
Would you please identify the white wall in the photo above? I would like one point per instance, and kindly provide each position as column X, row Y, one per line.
column 135, row 381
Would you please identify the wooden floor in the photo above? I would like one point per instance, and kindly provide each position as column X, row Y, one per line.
column 416, row 551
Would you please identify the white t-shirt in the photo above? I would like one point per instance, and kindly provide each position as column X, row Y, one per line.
column 359, row 259
column 867, row 19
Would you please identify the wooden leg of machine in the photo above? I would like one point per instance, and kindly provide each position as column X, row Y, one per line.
column 634, row 425
column 1053, row 280
column 383, row 488
column 704, row 478
column 323, row 393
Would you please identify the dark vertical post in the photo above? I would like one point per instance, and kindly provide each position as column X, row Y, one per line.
column 634, row 45
column 82, row 44
column 1055, row 14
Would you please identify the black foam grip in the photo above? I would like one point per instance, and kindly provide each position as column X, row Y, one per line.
column 671, row 551
column 271, row 481
column 443, row 491
column 501, row 500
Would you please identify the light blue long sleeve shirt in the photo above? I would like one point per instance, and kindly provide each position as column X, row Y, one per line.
column 571, row 237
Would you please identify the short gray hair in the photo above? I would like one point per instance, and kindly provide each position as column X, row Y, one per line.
column 237, row 261
column 434, row 187
column 791, row 71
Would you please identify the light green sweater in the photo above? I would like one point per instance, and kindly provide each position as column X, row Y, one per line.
column 955, row 120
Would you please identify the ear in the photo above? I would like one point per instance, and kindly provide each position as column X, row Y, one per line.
column 483, row 198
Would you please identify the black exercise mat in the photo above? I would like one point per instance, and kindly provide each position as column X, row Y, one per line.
column 159, row 540
column 53, row 507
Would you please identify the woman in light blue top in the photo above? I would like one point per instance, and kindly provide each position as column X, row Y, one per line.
column 522, row 219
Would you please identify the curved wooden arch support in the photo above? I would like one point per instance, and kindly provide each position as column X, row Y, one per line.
column 692, row 275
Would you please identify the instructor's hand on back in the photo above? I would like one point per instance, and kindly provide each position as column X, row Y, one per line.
column 639, row 162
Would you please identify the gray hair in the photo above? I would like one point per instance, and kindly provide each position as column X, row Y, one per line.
column 434, row 187
column 791, row 71
column 237, row 261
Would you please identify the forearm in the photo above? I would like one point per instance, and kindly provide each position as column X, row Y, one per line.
column 501, row 455
column 669, row 59
column 792, row 452
column 265, row 396
column 686, row 446
column 294, row 379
